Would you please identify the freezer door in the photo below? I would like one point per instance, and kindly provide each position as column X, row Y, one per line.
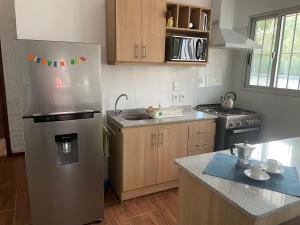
column 58, row 76
column 65, row 170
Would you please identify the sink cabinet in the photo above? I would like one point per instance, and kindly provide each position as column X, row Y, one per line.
column 142, row 158
column 171, row 144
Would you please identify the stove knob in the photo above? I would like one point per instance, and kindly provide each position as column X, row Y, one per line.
column 258, row 122
column 239, row 123
column 231, row 124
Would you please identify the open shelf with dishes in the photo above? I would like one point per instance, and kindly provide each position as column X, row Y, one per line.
column 192, row 24
column 188, row 18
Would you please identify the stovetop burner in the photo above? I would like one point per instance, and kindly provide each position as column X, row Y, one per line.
column 218, row 110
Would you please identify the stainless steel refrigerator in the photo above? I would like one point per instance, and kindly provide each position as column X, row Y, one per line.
column 61, row 89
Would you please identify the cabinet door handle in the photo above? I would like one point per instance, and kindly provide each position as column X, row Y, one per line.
column 144, row 52
column 161, row 140
column 202, row 131
column 201, row 145
column 153, row 140
column 136, row 50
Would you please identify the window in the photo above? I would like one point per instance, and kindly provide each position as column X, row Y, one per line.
column 277, row 64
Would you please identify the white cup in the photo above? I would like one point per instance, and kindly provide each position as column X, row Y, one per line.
column 256, row 170
column 273, row 164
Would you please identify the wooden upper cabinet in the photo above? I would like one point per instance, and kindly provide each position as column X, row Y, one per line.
column 139, row 158
column 128, row 30
column 153, row 31
column 135, row 31
column 171, row 143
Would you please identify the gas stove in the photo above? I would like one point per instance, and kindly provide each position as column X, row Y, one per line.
column 217, row 109
column 233, row 125
column 233, row 118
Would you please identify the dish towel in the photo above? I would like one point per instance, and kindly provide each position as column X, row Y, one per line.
column 106, row 135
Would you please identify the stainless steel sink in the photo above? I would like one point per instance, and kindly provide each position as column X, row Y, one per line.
column 136, row 117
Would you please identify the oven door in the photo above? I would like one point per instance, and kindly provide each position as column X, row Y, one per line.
column 239, row 135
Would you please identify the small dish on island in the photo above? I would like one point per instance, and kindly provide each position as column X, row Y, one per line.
column 274, row 167
column 256, row 172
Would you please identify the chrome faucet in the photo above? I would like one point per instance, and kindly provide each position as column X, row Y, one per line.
column 116, row 103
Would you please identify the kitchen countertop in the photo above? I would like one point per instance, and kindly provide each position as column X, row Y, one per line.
column 255, row 202
column 187, row 116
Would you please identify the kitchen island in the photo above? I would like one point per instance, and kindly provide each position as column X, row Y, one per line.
column 205, row 199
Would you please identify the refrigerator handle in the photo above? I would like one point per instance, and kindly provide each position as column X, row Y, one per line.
column 62, row 116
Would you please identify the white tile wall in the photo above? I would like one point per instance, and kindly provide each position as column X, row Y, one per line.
column 12, row 83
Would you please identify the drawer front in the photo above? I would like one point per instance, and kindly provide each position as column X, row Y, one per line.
column 202, row 145
column 197, row 152
column 202, row 129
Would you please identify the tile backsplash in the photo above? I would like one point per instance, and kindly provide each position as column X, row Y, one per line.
column 153, row 85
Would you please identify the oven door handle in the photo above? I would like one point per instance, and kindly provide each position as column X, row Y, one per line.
column 245, row 130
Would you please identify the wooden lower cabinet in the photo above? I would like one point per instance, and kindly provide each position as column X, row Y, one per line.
column 201, row 137
column 172, row 144
column 142, row 158
column 139, row 158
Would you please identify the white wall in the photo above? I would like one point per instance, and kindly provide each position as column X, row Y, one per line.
column 84, row 21
column 8, row 36
column 281, row 113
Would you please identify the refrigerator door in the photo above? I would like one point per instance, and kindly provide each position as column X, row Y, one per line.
column 64, row 169
column 58, row 76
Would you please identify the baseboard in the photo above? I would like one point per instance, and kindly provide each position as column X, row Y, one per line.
column 148, row 190
column 17, row 154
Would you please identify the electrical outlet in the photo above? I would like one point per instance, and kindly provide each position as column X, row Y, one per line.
column 175, row 97
column 181, row 97
column 175, row 86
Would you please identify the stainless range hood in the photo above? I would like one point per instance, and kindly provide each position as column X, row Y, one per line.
column 222, row 33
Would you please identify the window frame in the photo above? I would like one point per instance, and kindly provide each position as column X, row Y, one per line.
column 278, row 45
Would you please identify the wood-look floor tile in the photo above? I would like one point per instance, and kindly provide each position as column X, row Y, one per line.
column 130, row 209
column 7, row 218
column 144, row 205
column 158, row 218
column 7, row 197
column 110, row 198
column 114, row 215
column 170, row 202
column 144, row 219
column 22, row 205
column 168, row 217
